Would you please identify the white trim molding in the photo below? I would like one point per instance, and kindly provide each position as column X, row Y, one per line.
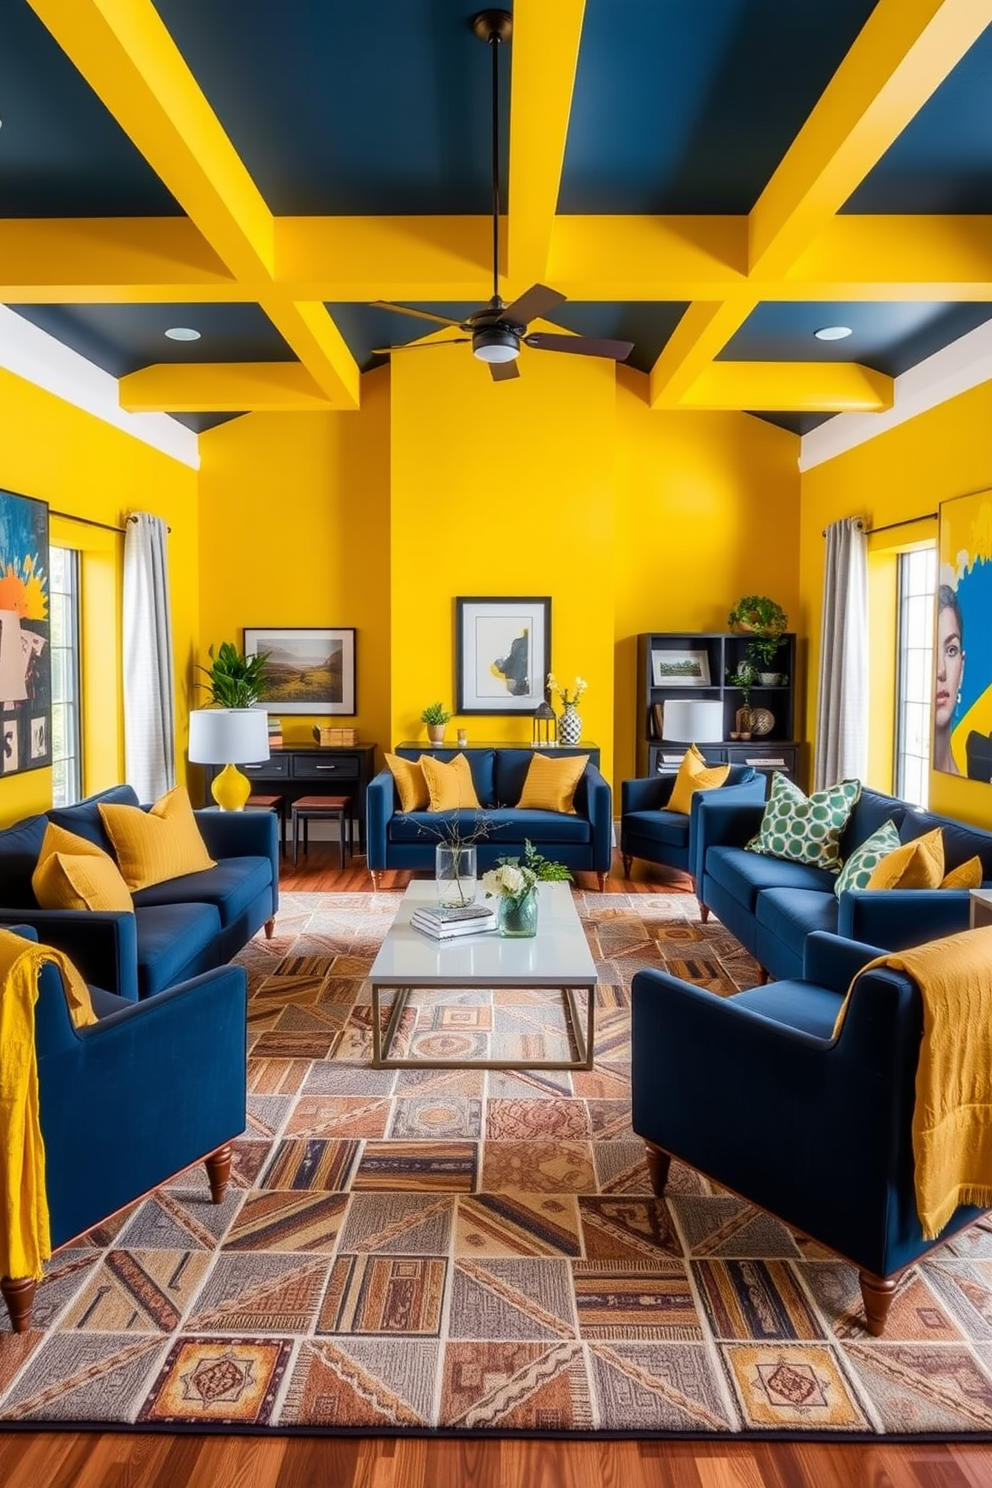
column 33, row 354
column 955, row 369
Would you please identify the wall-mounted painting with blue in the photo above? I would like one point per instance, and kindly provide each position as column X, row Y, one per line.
column 25, row 655
column 962, row 689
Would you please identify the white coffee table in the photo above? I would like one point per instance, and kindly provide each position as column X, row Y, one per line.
column 557, row 957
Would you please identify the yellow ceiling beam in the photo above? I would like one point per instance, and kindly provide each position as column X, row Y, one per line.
column 125, row 53
column 221, row 387
column 894, row 258
column 648, row 258
column 790, row 387
column 545, row 52
column 111, row 260
column 703, row 331
column 385, row 258
column 904, row 52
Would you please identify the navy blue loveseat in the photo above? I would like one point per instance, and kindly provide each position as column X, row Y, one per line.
column 772, row 905
column 406, row 839
column 179, row 928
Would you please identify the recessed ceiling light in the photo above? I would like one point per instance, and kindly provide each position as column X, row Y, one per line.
column 187, row 333
column 832, row 333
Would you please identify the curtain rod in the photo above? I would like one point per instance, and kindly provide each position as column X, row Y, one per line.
column 89, row 521
column 888, row 526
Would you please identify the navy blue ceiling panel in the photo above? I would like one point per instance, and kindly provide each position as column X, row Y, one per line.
column 364, row 108
column 201, row 422
column 890, row 338
column 62, row 154
column 942, row 161
column 123, row 338
column 685, row 106
column 366, row 326
column 647, row 323
column 796, row 423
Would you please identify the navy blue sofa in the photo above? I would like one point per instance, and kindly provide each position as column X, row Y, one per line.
column 581, row 840
column 772, row 905
column 650, row 831
column 134, row 1099
column 816, row 1130
column 178, row 928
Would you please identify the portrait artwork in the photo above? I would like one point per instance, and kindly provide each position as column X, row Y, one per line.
column 962, row 687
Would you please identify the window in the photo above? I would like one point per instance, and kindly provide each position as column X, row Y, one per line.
column 64, row 591
column 914, row 682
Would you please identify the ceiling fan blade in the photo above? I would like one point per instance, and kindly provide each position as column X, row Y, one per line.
column 532, row 304
column 418, row 346
column 420, row 314
column 580, row 345
column 503, row 371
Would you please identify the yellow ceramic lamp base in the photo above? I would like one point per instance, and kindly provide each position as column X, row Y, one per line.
column 231, row 789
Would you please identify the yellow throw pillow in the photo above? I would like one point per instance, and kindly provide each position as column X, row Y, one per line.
column 410, row 782
column 449, row 786
column 154, row 845
column 694, row 774
column 58, row 840
column 916, row 865
column 80, row 881
column 967, row 875
column 550, row 783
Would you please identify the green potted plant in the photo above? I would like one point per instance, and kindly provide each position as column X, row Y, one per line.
column 765, row 621
column 435, row 715
column 234, row 681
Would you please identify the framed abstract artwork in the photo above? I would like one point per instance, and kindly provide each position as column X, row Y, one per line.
column 308, row 670
column 962, row 672
column 502, row 654
column 25, row 636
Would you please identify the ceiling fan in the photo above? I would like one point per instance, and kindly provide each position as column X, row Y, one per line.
column 497, row 330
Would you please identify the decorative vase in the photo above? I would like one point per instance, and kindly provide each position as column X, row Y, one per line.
column 769, row 679
column 570, row 725
column 435, row 732
column 455, row 872
column 516, row 918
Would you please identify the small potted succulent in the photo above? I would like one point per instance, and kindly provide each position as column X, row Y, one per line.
column 435, row 715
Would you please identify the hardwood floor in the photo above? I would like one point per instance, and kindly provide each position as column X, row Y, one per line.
column 121, row 1460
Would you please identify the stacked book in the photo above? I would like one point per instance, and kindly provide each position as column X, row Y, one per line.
column 444, row 922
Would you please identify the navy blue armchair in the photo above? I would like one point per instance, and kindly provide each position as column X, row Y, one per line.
column 649, row 831
column 754, row 1091
column 127, row 1103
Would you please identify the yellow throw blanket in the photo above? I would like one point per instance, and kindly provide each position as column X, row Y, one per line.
column 25, row 1237
column 952, row 1119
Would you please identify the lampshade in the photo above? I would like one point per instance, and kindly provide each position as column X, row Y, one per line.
column 228, row 736
column 693, row 720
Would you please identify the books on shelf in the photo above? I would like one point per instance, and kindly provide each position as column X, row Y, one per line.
column 442, row 922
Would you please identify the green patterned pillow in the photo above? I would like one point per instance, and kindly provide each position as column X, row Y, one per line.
column 864, row 859
column 805, row 829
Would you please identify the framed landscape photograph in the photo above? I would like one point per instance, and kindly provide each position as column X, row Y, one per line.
column 680, row 669
column 308, row 670
column 502, row 654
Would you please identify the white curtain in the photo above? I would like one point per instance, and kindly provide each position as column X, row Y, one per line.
column 842, row 704
column 149, row 709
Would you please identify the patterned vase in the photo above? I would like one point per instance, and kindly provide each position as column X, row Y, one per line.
column 516, row 918
column 570, row 725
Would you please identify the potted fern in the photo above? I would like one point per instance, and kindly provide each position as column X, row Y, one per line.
column 765, row 622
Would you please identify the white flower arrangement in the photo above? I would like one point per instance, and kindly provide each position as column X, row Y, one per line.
column 570, row 699
column 511, row 879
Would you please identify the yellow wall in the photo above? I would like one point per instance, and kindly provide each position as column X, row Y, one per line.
column 903, row 473
column 707, row 511
column 84, row 467
column 294, row 527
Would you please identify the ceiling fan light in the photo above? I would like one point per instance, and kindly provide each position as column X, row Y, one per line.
column 496, row 345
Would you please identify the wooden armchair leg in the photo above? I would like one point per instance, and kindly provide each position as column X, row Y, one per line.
column 376, row 876
column 876, row 1296
column 704, row 913
column 218, row 1166
column 659, row 1163
column 627, row 864
column 602, row 882
column 270, row 927
column 18, row 1293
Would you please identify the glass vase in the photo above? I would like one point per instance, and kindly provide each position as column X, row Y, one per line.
column 570, row 725
column 455, row 870
column 516, row 918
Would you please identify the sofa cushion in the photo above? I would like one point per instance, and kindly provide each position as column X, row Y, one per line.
column 795, row 1003
column 510, row 772
column 411, row 784
column 915, row 865
column 805, row 829
column 504, row 826
column 151, row 846
column 172, row 938
column 449, row 784
column 960, row 842
column 871, row 810
column 80, row 881
column 84, row 817
column 231, row 886
column 669, row 827
column 480, row 762
column 550, row 784
column 694, row 774
column 744, row 875
column 20, row 846
column 858, row 868
column 792, row 914
column 967, row 875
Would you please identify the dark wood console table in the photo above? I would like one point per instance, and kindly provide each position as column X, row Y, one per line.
column 592, row 750
column 343, row 769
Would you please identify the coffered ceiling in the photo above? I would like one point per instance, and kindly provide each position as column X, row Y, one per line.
column 714, row 180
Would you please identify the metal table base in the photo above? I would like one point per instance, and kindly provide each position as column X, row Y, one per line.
column 583, row 1039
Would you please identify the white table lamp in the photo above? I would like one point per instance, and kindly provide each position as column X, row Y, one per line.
column 229, row 737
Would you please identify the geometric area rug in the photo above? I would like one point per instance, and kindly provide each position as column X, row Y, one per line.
column 479, row 1252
